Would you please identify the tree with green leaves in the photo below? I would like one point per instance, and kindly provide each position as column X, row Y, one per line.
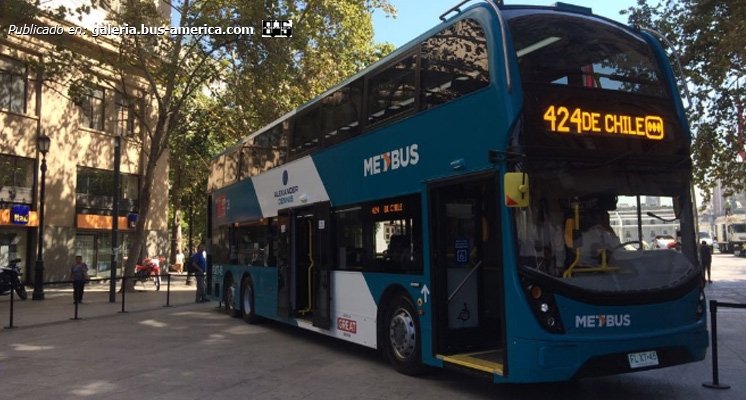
column 708, row 34
column 257, row 79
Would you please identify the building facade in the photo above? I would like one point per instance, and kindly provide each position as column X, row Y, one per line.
column 79, row 187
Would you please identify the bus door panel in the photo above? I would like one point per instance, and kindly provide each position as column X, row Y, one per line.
column 302, row 261
column 284, row 256
column 322, row 270
column 463, row 267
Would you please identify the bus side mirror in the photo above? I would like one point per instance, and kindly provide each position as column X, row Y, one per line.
column 677, row 207
column 516, row 189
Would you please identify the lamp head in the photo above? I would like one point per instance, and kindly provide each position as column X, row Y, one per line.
column 42, row 143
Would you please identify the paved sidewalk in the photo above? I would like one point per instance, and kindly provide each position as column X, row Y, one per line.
column 58, row 306
column 193, row 351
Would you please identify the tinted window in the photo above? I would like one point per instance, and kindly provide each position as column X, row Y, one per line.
column 265, row 151
column 576, row 51
column 391, row 92
column 341, row 113
column 307, row 131
column 454, row 63
column 383, row 236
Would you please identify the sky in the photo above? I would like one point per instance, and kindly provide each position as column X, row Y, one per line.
column 414, row 17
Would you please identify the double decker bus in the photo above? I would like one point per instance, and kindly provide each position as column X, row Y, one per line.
column 435, row 205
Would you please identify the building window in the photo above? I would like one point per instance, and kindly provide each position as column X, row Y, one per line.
column 91, row 105
column 125, row 124
column 16, row 179
column 95, row 187
column 12, row 85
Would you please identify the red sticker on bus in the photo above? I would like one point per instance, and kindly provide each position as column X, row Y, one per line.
column 347, row 325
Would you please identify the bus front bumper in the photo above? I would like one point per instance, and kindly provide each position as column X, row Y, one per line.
column 552, row 361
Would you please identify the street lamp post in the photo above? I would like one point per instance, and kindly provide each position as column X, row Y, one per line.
column 115, row 220
column 42, row 143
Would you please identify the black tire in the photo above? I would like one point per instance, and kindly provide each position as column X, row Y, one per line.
column 401, row 336
column 21, row 290
column 228, row 293
column 248, row 313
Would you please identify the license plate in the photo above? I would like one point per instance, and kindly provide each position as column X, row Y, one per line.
column 642, row 359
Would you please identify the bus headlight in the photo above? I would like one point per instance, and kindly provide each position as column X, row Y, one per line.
column 701, row 304
column 544, row 307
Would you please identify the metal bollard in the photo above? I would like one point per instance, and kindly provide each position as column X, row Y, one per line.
column 10, row 323
column 124, row 290
column 168, row 290
column 76, row 311
column 713, row 339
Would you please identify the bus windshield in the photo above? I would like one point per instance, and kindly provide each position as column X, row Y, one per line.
column 562, row 49
column 583, row 227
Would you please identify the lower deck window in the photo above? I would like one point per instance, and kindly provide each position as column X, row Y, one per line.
column 384, row 236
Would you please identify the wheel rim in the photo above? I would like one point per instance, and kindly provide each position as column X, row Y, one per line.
column 246, row 300
column 402, row 334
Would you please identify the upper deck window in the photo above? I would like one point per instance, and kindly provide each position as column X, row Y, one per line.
column 454, row 63
column 561, row 49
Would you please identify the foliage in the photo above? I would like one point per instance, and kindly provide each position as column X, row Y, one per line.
column 253, row 79
column 708, row 34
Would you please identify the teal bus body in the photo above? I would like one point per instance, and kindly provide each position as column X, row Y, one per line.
column 511, row 322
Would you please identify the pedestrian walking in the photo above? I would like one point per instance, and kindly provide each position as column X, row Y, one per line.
column 705, row 258
column 79, row 275
column 198, row 266
column 179, row 264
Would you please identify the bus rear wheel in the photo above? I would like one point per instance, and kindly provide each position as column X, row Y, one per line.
column 228, row 296
column 402, row 336
column 247, row 302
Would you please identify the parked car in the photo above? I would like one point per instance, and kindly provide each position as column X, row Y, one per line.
column 664, row 242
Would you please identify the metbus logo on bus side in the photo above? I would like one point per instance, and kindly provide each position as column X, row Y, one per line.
column 563, row 119
column 391, row 160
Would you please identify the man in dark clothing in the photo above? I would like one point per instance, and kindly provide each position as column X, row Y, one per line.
column 198, row 265
column 705, row 258
column 79, row 274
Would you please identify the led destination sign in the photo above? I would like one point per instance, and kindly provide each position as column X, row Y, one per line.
column 562, row 119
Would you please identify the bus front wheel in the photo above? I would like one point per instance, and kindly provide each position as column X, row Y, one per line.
column 247, row 302
column 402, row 336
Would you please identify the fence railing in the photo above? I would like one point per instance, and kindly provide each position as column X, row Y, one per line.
column 158, row 279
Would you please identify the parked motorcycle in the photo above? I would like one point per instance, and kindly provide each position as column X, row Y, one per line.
column 147, row 272
column 10, row 278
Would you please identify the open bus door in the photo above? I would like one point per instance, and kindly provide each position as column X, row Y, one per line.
column 467, row 274
column 307, row 292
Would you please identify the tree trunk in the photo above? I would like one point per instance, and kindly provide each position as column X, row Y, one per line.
column 154, row 152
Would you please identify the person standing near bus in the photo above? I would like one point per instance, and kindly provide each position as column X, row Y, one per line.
column 705, row 258
column 198, row 266
column 79, row 274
